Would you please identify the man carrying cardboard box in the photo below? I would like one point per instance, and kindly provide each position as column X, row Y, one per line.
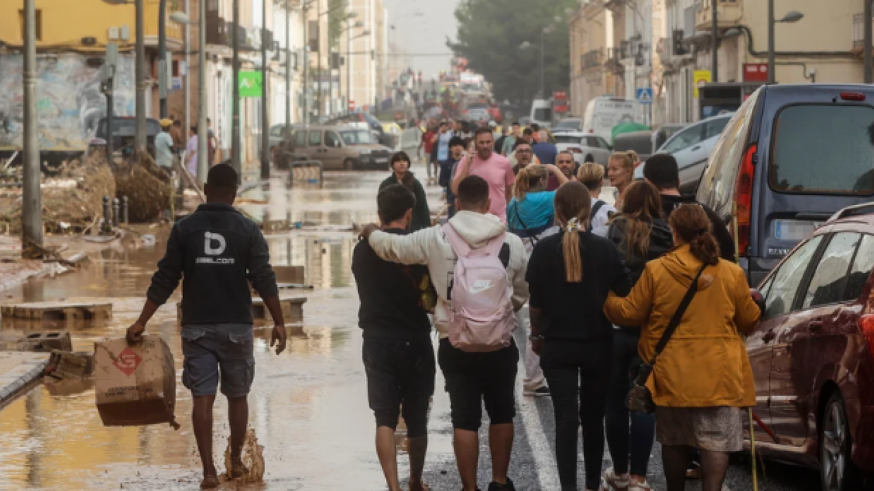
column 218, row 252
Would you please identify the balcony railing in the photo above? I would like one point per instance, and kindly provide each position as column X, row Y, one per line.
column 859, row 32
column 593, row 59
column 728, row 14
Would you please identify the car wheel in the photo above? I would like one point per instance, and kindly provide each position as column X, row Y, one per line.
column 348, row 164
column 837, row 471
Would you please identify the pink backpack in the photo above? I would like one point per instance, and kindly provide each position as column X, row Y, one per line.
column 481, row 315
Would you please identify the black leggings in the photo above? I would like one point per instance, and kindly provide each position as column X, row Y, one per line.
column 569, row 365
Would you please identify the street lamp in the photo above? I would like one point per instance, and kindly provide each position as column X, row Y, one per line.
column 792, row 16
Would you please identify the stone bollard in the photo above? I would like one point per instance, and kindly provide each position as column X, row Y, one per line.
column 107, row 215
column 124, row 208
column 115, row 212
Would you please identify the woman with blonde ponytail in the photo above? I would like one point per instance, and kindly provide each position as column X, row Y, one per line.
column 531, row 213
column 569, row 276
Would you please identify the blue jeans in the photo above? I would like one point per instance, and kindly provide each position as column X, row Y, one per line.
column 640, row 437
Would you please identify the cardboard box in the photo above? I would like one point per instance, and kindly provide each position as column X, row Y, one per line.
column 135, row 384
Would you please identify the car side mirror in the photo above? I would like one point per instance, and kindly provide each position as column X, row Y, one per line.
column 758, row 298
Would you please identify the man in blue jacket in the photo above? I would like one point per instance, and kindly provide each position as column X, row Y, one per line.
column 218, row 252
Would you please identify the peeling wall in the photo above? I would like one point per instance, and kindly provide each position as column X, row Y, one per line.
column 69, row 101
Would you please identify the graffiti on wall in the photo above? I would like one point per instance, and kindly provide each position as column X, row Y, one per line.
column 69, row 101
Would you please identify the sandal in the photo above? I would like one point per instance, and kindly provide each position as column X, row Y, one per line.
column 613, row 481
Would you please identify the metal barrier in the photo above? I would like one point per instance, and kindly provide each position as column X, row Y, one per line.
column 307, row 172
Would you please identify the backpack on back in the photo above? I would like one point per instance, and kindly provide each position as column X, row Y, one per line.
column 481, row 317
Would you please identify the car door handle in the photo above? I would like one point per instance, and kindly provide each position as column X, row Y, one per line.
column 769, row 336
column 815, row 325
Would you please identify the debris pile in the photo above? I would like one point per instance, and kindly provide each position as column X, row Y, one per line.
column 146, row 186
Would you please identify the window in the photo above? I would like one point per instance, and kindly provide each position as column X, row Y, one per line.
column 827, row 285
column 720, row 176
column 823, row 149
column 300, row 138
column 862, row 268
column 788, row 278
column 715, row 127
column 355, row 137
column 276, row 131
column 37, row 22
column 560, row 138
column 684, row 139
column 602, row 143
column 332, row 140
column 315, row 138
column 543, row 114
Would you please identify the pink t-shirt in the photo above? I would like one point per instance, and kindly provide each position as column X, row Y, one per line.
column 498, row 172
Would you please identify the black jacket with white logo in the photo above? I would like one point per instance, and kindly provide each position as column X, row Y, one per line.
column 218, row 252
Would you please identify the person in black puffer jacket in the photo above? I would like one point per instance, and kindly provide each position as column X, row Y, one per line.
column 641, row 236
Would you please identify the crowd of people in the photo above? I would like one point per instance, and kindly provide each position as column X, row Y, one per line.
column 620, row 305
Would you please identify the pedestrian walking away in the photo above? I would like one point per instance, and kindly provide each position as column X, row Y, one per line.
column 401, row 174
column 480, row 364
column 570, row 275
column 218, row 252
column 531, row 216
column 620, row 170
column 661, row 170
column 164, row 146
column 641, row 236
column 495, row 169
column 592, row 176
column 397, row 352
column 693, row 307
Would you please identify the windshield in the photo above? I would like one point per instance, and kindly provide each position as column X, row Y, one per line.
column 543, row 114
column 683, row 139
column 559, row 138
column 824, row 149
column 569, row 123
column 356, row 137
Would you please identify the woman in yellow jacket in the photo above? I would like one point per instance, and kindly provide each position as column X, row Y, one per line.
column 703, row 377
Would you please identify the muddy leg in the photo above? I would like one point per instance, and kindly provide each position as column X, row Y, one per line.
column 238, row 417
column 201, row 420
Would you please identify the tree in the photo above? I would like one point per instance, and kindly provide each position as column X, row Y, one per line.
column 490, row 33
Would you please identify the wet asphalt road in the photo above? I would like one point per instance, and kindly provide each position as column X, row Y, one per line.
column 308, row 405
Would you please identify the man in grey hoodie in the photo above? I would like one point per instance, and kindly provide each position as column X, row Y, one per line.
column 470, row 377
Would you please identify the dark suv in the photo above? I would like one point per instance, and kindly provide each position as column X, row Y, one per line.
column 791, row 156
column 813, row 353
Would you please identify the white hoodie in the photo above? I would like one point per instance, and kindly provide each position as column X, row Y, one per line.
column 431, row 247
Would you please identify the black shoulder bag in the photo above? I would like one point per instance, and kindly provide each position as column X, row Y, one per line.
column 639, row 397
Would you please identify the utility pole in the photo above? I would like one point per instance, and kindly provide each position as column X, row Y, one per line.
column 319, row 49
column 287, row 68
column 869, row 39
column 187, row 69
column 348, row 66
column 31, row 216
column 236, row 144
column 306, row 64
column 162, row 57
column 139, row 71
column 772, row 65
column 542, row 75
column 265, row 76
column 202, row 131
column 714, row 42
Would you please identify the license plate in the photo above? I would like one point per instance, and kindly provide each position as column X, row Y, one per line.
column 793, row 230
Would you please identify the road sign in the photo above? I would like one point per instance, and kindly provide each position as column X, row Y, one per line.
column 699, row 79
column 644, row 95
column 251, row 84
column 351, row 106
column 176, row 83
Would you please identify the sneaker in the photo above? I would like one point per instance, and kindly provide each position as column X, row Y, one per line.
column 638, row 486
column 539, row 392
column 493, row 486
column 613, row 481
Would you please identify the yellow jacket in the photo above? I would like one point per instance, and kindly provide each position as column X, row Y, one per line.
column 705, row 363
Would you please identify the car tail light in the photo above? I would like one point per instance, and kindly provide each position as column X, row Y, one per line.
column 866, row 324
column 852, row 96
column 743, row 197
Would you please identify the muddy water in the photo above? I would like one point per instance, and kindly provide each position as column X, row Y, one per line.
column 308, row 406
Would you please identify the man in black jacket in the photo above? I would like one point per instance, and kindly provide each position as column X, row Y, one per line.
column 218, row 252
column 661, row 171
column 397, row 352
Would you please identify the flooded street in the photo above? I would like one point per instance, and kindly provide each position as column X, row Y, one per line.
column 308, row 405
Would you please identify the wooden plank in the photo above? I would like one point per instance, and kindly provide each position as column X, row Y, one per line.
column 292, row 310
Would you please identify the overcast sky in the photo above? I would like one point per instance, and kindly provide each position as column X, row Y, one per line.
column 426, row 34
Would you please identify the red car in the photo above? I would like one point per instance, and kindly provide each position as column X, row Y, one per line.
column 813, row 353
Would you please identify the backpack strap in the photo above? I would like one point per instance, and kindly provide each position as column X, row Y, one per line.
column 595, row 209
column 462, row 249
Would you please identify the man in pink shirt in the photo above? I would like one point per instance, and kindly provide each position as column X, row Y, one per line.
column 491, row 166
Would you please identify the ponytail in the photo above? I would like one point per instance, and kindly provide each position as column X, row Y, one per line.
column 705, row 247
column 573, row 205
column 570, row 248
column 527, row 178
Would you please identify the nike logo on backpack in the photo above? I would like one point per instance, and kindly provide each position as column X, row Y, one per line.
column 480, row 286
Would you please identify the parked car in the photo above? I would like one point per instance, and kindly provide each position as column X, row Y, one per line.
column 585, row 147
column 374, row 124
column 691, row 147
column 123, row 134
column 661, row 134
column 339, row 147
column 789, row 158
column 813, row 354
column 639, row 141
column 603, row 113
column 569, row 125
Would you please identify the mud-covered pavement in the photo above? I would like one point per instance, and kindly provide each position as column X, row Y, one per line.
column 308, row 405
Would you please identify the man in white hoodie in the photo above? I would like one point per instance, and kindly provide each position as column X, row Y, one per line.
column 471, row 378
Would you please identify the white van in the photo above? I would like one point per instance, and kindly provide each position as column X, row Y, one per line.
column 603, row 113
column 541, row 113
